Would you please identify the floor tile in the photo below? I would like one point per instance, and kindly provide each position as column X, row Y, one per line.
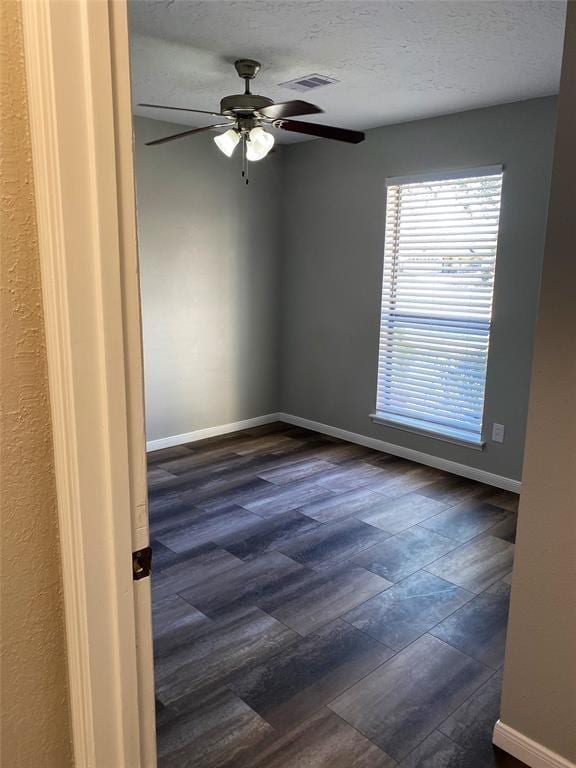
column 163, row 715
column 266, row 443
column 196, row 655
column 323, row 741
column 205, row 482
column 172, row 572
column 471, row 725
column 504, row 499
column 316, row 598
column 337, row 452
column 207, row 729
column 266, row 535
column 411, row 480
column 161, row 498
column 401, row 513
column 273, row 427
column 202, row 526
column 306, row 451
column 452, row 488
column 161, row 555
column 181, row 512
column 262, row 580
column 228, row 465
column 173, row 613
column 233, row 464
column 438, row 751
column 505, row 530
column 405, row 699
column 157, row 476
column 302, row 433
column 206, row 491
column 406, row 552
column 164, row 515
column 292, row 685
column 333, row 542
column 395, row 464
column 350, row 475
column 165, row 454
column 479, row 628
column 408, row 609
column 167, row 487
column 347, row 504
column 219, row 497
column 477, row 564
column 276, row 499
column 467, row 519
column 195, row 463
column 295, row 471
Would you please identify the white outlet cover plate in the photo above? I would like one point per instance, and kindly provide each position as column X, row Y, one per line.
column 498, row 433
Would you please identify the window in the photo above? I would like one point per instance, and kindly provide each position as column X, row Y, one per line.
column 438, row 281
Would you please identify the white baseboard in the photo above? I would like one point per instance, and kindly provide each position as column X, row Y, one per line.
column 406, row 453
column 202, row 434
column 530, row 752
column 353, row 437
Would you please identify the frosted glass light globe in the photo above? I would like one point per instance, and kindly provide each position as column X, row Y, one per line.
column 226, row 142
column 259, row 144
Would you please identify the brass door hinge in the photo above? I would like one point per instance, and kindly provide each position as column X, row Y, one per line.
column 141, row 563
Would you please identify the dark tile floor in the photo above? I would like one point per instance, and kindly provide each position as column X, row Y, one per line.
column 321, row 605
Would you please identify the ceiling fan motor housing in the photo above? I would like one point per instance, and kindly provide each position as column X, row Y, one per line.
column 243, row 103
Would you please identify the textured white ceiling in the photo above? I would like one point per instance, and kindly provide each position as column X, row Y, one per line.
column 396, row 60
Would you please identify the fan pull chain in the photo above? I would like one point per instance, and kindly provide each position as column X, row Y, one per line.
column 244, row 161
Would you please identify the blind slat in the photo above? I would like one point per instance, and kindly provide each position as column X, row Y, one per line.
column 438, row 282
column 466, row 389
column 459, row 399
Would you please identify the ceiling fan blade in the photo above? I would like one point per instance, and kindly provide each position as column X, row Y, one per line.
column 323, row 131
column 184, row 109
column 290, row 109
column 185, row 133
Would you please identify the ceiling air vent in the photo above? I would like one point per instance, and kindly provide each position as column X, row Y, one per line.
column 309, row 82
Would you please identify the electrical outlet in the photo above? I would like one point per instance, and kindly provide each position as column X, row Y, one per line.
column 497, row 433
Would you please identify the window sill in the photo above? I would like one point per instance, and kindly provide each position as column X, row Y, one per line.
column 388, row 421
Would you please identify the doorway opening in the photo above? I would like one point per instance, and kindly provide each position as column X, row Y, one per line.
column 326, row 590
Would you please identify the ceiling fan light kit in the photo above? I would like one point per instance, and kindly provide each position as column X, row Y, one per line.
column 247, row 114
column 258, row 144
column 227, row 141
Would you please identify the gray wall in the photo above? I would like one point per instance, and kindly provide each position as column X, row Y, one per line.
column 208, row 261
column 332, row 245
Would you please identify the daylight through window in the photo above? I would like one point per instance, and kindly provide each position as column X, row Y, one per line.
column 438, row 282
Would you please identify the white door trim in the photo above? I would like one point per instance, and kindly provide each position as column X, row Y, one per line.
column 78, row 90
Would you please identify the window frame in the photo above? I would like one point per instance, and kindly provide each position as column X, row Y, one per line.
column 413, row 425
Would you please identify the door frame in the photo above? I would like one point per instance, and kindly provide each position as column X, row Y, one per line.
column 77, row 65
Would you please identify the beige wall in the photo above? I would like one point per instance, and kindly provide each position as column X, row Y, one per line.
column 539, row 697
column 34, row 703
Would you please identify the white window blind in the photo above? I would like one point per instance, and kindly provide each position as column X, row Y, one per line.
column 438, row 281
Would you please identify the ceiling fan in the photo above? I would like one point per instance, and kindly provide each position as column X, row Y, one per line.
column 247, row 114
